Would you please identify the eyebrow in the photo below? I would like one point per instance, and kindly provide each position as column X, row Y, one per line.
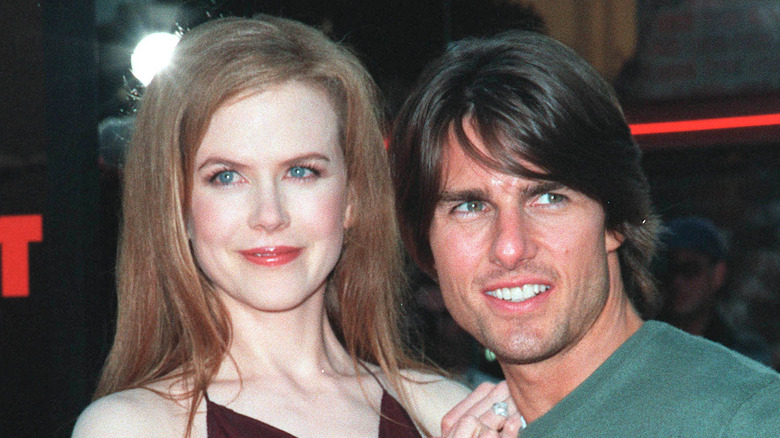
column 461, row 195
column 217, row 160
column 531, row 191
column 315, row 156
column 543, row 187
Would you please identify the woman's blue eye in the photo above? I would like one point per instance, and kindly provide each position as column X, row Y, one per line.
column 470, row 207
column 226, row 177
column 301, row 172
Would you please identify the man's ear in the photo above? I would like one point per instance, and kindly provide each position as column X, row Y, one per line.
column 613, row 239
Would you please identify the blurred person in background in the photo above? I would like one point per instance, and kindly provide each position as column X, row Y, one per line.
column 694, row 286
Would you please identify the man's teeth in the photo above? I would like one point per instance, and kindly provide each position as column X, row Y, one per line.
column 517, row 294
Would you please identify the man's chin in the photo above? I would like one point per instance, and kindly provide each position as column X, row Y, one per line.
column 522, row 352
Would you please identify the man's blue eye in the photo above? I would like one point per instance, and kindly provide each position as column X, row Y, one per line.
column 226, row 177
column 301, row 172
column 551, row 198
column 470, row 207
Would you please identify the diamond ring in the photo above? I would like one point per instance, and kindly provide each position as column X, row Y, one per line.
column 500, row 408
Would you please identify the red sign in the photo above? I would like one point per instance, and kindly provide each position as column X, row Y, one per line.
column 16, row 232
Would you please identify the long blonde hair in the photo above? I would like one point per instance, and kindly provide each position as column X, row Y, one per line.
column 171, row 323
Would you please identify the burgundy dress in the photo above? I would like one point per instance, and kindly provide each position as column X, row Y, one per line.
column 222, row 422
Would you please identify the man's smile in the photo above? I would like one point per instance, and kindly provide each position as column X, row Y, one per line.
column 518, row 294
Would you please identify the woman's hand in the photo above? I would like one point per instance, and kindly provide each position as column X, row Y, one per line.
column 475, row 417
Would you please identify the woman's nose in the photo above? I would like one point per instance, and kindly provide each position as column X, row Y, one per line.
column 269, row 211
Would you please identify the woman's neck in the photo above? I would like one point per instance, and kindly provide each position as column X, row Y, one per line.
column 298, row 343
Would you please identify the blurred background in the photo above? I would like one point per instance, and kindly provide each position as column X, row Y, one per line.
column 69, row 96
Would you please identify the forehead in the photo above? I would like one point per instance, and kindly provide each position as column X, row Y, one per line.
column 474, row 163
column 291, row 118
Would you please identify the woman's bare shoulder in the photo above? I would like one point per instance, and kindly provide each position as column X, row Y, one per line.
column 432, row 396
column 132, row 413
column 430, row 384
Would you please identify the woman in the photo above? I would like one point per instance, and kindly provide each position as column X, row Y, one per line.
column 258, row 270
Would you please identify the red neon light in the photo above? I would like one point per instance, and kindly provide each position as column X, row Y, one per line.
column 15, row 233
column 705, row 124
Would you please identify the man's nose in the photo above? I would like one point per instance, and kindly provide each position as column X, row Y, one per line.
column 513, row 239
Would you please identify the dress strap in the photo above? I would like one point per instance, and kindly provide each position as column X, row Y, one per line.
column 394, row 421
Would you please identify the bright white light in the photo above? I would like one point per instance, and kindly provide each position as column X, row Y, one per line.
column 152, row 54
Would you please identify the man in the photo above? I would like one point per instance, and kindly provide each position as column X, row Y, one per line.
column 693, row 287
column 696, row 272
column 519, row 190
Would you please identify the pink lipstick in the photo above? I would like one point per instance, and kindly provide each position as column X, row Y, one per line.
column 272, row 255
